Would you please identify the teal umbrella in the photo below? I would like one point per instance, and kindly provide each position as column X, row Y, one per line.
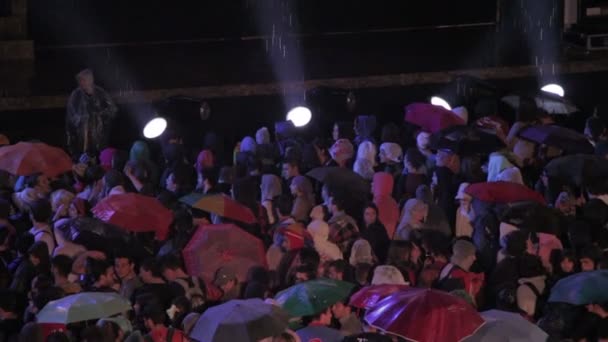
column 582, row 288
column 84, row 306
column 312, row 297
column 502, row 326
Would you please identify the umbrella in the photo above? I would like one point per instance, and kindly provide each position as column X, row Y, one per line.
column 136, row 213
column 341, row 177
column 581, row 288
column 503, row 192
column 425, row 315
column 84, row 306
column 532, row 216
column 26, row 158
column 240, row 320
column 576, row 168
column 431, row 118
column 221, row 205
column 552, row 104
column 215, row 246
column 466, row 140
column 370, row 295
column 563, row 138
column 502, row 326
column 312, row 297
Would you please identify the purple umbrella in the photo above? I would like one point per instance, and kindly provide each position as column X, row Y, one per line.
column 568, row 140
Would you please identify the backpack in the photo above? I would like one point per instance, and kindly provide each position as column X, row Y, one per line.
column 169, row 338
column 458, row 279
column 193, row 290
column 541, row 300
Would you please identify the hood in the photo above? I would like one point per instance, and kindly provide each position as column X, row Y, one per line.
column 248, row 145
column 387, row 274
column 341, row 151
column 319, row 230
column 205, row 160
column 262, row 136
column 496, row 164
column 382, row 184
column 361, row 253
column 139, row 151
column 367, row 150
column 366, row 124
column 364, row 168
column 271, row 187
column 105, row 157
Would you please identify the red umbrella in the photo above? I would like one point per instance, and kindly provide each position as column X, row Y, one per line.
column 221, row 205
column 503, row 192
column 368, row 296
column 215, row 246
column 26, row 158
column 424, row 315
column 431, row 118
column 136, row 213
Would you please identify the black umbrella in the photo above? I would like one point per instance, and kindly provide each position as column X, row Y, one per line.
column 466, row 140
column 533, row 216
column 341, row 178
column 552, row 104
column 577, row 168
column 568, row 140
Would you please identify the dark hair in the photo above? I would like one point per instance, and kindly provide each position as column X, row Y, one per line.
column 119, row 160
column 590, row 252
column 41, row 251
column 8, row 300
column 183, row 176
column 113, row 178
column 398, row 252
column 516, row 243
column 96, row 268
column 284, row 204
column 110, row 329
column 322, row 144
column 340, row 265
column 32, row 180
column 140, row 170
column 171, row 262
column 5, row 209
column 24, row 242
column 125, row 254
column 530, row 266
column 597, row 186
column 41, row 210
column 373, row 206
column 309, row 256
column 309, row 271
column 63, row 264
column 210, row 175
column 151, row 265
column 93, row 173
column 415, row 157
column 182, row 303
column 155, row 313
column 339, row 201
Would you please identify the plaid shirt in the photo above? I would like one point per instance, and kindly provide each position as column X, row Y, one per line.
column 343, row 230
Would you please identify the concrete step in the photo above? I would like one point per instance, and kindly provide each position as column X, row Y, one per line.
column 13, row 28
column 16, row 50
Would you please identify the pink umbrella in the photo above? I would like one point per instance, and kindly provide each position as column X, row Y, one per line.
column 431, row 118
column 215, row 246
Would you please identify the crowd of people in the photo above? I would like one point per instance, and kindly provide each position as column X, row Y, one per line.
column 392, row 208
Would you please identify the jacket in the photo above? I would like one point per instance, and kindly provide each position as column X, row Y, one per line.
column 388, row 210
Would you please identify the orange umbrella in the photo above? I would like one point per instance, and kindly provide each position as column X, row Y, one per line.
column 26, row 158
column 136, row 213
column 221, row 205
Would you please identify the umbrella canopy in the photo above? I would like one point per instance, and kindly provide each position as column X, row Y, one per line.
column 552, row 104
column 576, row 168
column 312, row 297
column 221, row 205
column 503, row 192
column 83, row 306
column 532, row 216
column 368, row 296
column 431, row 118
column 502, row 326
column 249, row 320
column 26, row 158
column 425, row 315
column 215, row 246
column 581, row 288
column 341, row 177
column 568, row 140
column 466, row 140
column 136, row 213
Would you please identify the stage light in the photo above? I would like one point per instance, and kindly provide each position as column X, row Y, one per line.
column 438, row 101
column 155, row 128
column 554, row 89
column 300, row 116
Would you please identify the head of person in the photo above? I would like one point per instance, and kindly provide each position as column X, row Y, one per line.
column 415, row 211
column 323, row 318
column 449, row 159
column 423, row 140
column 78, row 208
column 100, row 272
column 40, row 182
column 86, row 81
column 370, row 214
column 337, row 270
column 38, row 255
column 342, row 152
column 337, row 204
column 290, row 169
column 283, row 205
column 301, row 187
column 172, row 267
column 61, row 266
column 399, row 251
column 341, row 310
column 304, row 273
column 321, row 147
column 530, row 266
column 153, row 316
column 149, row 270
column 595, row 128
column 8, row 304
column 111, row 180
column 566, row 262
column 225, row 279
column 390, row 153
column 207, row 179
column 180, row 179
column 463, row 254
column 124, row 266
column 41, row 211
column 588, row 258
column 414, row 161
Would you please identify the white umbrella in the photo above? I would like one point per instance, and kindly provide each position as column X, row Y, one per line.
column 83, row 306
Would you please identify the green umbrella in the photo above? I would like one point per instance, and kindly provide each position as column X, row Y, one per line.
column 312, row 297
column 84, row 306
column 581, row 288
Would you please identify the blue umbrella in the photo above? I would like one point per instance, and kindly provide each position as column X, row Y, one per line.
column 581, row 288
column 240, row 320
column 502, row 326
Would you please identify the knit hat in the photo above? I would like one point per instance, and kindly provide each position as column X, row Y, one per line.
column 392, row 152
column 461, row 194
column 463, row 249
column 389, row 275
column 262, row 136
column 223, row 275
column 342, row 150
